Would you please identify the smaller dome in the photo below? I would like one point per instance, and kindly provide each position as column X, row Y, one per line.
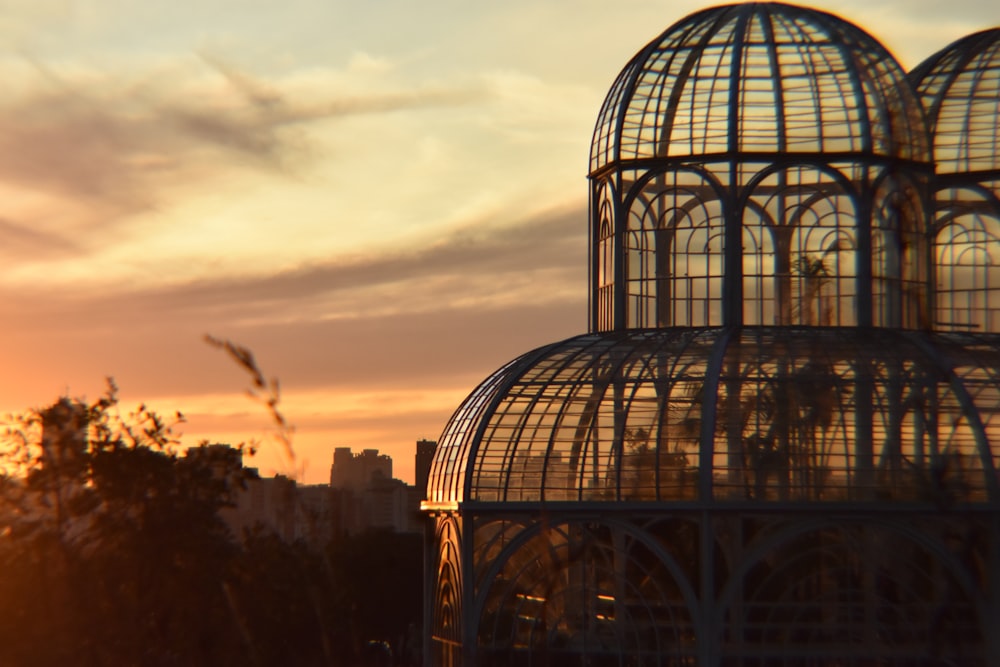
column 759, row 78
column 960, row 89
column 717, row 415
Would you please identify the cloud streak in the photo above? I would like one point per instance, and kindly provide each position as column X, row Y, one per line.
column 98, row 149
column 453, row 307
column 477, row 262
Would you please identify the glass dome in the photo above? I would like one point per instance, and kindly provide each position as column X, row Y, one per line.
column 758, row 77
column 760, row 164
column 960, row 88
column 779, row 442
column 763, row 414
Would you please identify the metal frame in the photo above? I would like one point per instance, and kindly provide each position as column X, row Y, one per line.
column 776, row 128
column 960, row 90
column 738, row 587
column 820, row 414
column 780, row 442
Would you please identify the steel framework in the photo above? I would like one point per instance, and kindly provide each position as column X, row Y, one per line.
column 779, row 444
column 960, row 89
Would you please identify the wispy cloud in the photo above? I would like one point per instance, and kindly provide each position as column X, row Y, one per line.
column 453, row 307
column 476, row 263
column 19, row 238
column 96, row 149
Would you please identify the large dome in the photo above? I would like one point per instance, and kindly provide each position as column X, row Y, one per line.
column 759, row 77
column 760, row 164
column 779, row 442
column 960, row 88
column 708, row 415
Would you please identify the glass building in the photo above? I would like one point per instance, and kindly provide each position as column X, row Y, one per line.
column 778, row 445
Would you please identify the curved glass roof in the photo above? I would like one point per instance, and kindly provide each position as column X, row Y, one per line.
column 960, row 89
column 760, row 164
column 766, row 414
column 759, row 78
column 777, row 313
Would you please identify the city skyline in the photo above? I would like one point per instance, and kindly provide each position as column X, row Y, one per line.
column 383, row 202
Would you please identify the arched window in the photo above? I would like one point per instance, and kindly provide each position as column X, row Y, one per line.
column 800, row 251
column 967, row 254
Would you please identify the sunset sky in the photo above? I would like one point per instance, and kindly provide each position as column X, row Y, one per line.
column 384, row 200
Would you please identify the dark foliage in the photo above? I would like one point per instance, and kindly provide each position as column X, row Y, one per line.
column 113, row 552
column 379, row 577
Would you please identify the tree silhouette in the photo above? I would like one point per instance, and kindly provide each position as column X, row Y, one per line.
column 113, row 552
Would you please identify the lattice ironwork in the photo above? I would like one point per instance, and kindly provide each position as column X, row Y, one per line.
column 779, row 444
column 761, row 165
column 960, row 89
column 608, row 588
column 735, row 589
column 762, row 414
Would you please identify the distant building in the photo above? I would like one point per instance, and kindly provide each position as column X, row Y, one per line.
column 355, row 471
column 362, row 495
column 367, row 496
column 422, row 464
column 389, row 503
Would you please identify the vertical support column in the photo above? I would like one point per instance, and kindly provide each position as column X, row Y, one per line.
column 470, row 625
column 864, row 286
column 864, row 464
column 620, row 564
column 929, row 278
column 706, row 631
column 732, row 213
column 732, row 629
column 594, row 269
column 620, row 235
column 430, row 583
column 663, row 231
column 709, row 416
column 991, row 638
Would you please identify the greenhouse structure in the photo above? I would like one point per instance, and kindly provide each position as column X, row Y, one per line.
column 778, row 444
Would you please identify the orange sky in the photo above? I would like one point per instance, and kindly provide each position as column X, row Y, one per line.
column 385, row 201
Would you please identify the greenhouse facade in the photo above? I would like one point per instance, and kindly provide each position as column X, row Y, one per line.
column 778, row 444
